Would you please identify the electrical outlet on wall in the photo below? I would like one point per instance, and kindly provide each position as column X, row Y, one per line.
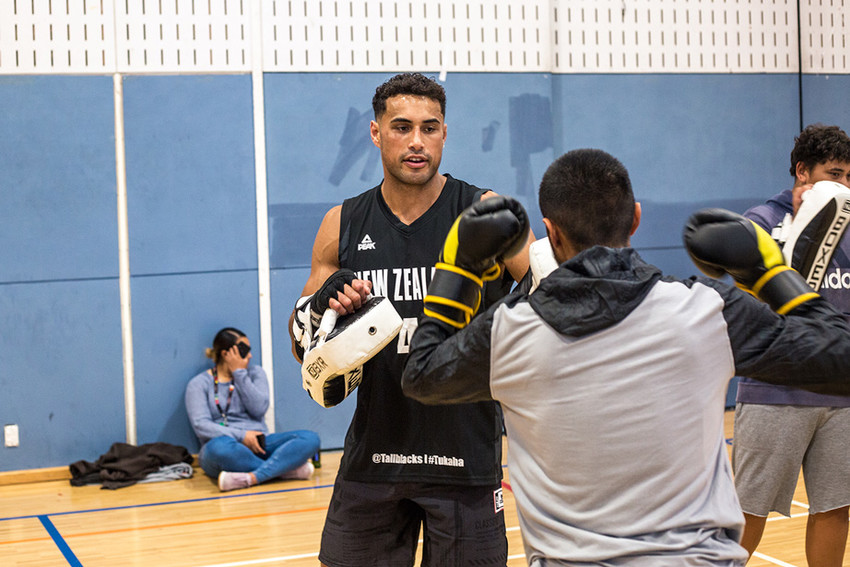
column 11, row 435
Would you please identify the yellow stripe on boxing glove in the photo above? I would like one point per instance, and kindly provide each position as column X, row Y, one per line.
column 454, row 295
column 783, row 288
column 769, row 250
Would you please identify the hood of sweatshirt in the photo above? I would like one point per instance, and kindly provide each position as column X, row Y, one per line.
column 594, row 290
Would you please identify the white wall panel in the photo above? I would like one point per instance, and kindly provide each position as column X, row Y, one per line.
column 825, row 30
column 52, row 37
column 173, row 36
column 559, row 36
column 653, row 36
column 345, row 35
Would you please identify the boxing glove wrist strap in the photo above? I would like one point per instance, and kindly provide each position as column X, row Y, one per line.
column 454, row 295
column 783, row 288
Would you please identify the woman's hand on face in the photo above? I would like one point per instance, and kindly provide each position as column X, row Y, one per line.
column 234, row 360
column 250, row 441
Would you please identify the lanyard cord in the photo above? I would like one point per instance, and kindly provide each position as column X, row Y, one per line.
column 229, row 396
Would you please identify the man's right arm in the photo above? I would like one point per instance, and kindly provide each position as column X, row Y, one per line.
column 324, row 263
column 808, row 347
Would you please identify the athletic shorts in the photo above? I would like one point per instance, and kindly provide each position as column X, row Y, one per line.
column 379, row 524
column 772, row 442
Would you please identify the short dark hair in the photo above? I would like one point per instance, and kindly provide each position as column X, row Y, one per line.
column 224, row 340
column 415, row 84
column 819, row 143
column 587, row 194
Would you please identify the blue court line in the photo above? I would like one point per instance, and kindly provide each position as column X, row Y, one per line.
column 133, row 506
column 60, row 543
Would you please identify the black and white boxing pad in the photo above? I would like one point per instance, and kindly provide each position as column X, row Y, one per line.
column 541, row 260
column 816, row 231
column 333, row 365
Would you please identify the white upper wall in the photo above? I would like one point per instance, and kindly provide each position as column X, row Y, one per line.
column 554, row 36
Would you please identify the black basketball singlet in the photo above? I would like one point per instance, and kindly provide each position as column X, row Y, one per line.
column 391, row 437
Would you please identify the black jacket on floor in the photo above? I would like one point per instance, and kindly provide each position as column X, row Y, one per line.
column 124, row 464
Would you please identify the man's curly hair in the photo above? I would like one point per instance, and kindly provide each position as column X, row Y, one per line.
column 819, row 143
column 415, row 84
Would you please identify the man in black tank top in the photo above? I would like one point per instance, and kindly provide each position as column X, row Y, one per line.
column 406, row 465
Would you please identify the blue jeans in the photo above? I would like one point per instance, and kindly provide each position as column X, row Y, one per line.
column 284, row 452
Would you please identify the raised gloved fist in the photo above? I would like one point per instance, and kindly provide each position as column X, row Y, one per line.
column 484, row 234
column 722, row 242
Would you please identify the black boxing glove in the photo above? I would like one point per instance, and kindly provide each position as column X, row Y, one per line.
column 483, row 235
column 722, row 242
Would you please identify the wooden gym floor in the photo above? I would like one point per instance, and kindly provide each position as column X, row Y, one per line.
column 190, row 523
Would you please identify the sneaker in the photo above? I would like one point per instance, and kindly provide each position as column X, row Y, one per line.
column 234, row 480
column 303, row 472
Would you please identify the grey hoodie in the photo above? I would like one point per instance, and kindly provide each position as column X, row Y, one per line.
column 612, row 379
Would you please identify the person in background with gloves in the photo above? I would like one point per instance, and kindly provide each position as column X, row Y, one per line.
column 612, row 376
column 406, row 465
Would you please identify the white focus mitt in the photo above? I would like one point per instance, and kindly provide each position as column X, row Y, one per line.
column 333, row 363
column 541, row 260
column 816, row 231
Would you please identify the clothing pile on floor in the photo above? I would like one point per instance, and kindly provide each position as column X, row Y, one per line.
column 125, row 465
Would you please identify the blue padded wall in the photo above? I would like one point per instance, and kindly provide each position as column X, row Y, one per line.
column 825, row 100
column 688, row 141
column 57, row 179
column 62, row 378
column 193, row 234
column 60, row 335
column 175, row 319
column 190, row 174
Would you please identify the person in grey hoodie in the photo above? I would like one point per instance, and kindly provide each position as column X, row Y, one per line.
column 612, row 376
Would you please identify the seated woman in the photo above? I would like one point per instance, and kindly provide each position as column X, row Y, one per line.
column 226, row 406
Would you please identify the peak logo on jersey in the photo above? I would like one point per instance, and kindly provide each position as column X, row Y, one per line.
column 366, row 244
column 836, row 279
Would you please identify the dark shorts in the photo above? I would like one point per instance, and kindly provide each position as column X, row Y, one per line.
column 379, row 524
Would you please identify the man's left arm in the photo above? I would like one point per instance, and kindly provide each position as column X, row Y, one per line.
column 447, row 366
column 449, row 359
